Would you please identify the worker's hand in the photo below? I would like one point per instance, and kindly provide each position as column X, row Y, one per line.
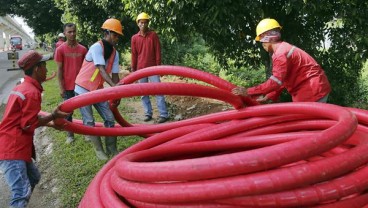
column 239, row 91
column 56, row 125
column 115, row 103
column 124, row 73
column 57, row 113
column 262, row 99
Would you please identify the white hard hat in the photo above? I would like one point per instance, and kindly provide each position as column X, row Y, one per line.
column 61, row 35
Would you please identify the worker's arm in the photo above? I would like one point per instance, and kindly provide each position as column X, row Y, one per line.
column 60, row 78
column 105, row 75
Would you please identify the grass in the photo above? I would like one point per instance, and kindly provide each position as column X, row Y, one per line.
column 74, row 166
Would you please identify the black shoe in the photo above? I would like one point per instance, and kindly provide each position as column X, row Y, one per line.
column 162, row 120
column 147, row 118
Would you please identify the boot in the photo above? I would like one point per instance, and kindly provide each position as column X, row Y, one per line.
column 70, row 138
column 97, row 144
column 111, row 145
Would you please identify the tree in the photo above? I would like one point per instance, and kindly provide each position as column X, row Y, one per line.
column 228, row 27
column 91, row 14
column 40, row 15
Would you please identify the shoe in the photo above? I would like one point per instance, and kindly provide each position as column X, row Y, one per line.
column 162, row 120
column 69, row 140
column 147, row 118
column 97, row 144
column 110, row 142
column 101, row 155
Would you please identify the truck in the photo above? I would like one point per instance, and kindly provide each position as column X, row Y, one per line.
column 16, row 42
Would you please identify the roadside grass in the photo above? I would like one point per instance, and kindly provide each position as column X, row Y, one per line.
column 73, row 166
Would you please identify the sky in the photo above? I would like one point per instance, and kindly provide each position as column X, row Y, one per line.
column 24, row 26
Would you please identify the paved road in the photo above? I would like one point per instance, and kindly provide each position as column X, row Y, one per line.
column 8, row 80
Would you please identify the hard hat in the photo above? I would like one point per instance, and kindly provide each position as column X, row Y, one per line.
column 143, row 15
column 113, row 25
column 61, row 35
column 266, row 25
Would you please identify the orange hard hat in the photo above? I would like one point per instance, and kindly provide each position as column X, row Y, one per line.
column 113, row 25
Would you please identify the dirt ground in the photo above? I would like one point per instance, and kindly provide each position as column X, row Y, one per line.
column 180, row 107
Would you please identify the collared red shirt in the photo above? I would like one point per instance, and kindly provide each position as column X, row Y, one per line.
column 20, row 121
column 146, row 50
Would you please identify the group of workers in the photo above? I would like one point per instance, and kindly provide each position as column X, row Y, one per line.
column 81, row 71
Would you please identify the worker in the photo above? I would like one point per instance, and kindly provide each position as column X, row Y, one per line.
column 69, row 58
column 292, row 68
column 17, row 151
column 60, row 41
column 101, row 60
column 146, row 52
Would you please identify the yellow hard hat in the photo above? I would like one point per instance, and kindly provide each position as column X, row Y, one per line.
column 141, row 16
column 113, row 25
column 266, row 25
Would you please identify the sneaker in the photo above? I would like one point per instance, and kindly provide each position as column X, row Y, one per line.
column 101, row 155
column 162, row 120
column 69, row 140
column 147, row 118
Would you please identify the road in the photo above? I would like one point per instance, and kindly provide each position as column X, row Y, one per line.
column 8, row 79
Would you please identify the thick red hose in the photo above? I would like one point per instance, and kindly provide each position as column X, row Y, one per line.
column 276, row 155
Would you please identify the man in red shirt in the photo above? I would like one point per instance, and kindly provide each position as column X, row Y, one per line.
column 69, row 59
column 292, row 68
column 17, row 128
column 61, row 37
column 146, row 52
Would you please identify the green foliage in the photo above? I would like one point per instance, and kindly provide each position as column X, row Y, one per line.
column 91, row 14
column 362, row 93
column 230, row 32
column 228, row 29
column 41, row 15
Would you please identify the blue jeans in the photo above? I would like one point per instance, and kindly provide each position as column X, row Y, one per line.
column 69, row 94
column 21, row 177
column 160, row 99
column 103, row 109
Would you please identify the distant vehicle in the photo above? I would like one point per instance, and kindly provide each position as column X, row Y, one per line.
column 16, row 42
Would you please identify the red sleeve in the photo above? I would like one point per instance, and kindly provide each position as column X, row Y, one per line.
column 279, row 72
column 274, row 95
column 279, row 67
column 30, row 108
column 157, row 50
column 264, row 88
column 134, row 55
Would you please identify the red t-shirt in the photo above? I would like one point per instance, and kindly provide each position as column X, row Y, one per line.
column 146, row 50
column 296, row 71
column 20, row 120
column 72, row 60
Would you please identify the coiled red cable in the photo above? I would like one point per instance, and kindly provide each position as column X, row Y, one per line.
column 275, row 155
